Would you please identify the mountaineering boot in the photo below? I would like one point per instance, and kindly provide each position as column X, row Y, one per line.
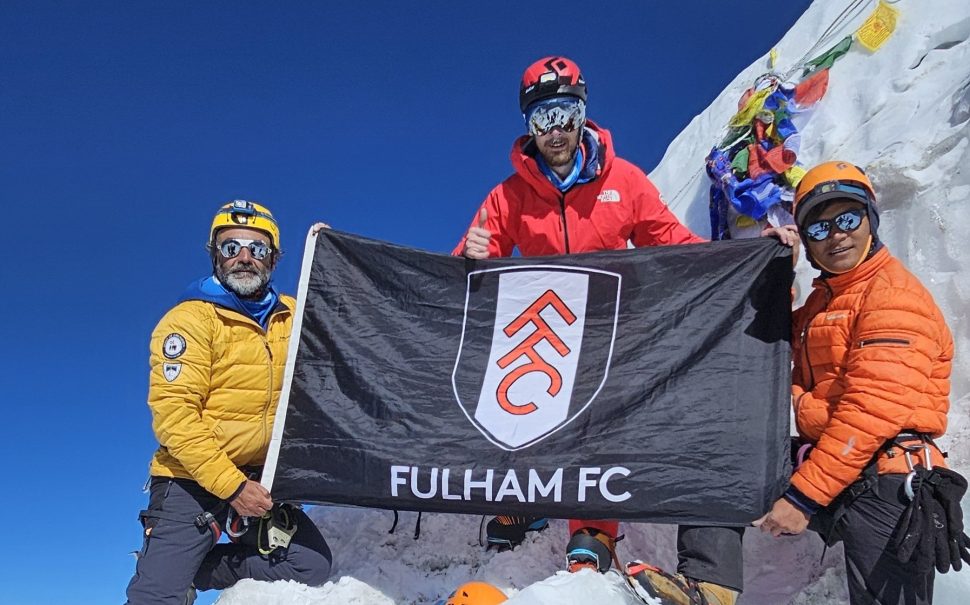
column 505, row 532
column 717, row 594
column 676, row 589
column 590, row 548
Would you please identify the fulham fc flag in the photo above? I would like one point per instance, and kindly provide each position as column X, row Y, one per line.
column 649, row 384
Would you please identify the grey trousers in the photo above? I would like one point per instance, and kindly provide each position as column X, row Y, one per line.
column 177, row 555
column 864, row 526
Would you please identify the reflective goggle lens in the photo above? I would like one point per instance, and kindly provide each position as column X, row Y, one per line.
column 846, row 222
column 566, row 113
column 582, row 557
column 232, row 247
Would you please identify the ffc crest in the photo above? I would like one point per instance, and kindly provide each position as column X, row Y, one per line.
column 535, row 350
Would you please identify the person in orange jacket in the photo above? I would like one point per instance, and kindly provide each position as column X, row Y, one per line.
column 571, row 193
column 872, row 356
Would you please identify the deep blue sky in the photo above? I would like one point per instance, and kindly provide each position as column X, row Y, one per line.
column 124, row 125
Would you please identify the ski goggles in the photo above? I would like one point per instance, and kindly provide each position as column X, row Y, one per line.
column 565, row 113
column 581, row 557
column 231, row 248
column 847, row 222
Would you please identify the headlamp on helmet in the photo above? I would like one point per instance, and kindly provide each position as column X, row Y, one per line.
column 249, row 215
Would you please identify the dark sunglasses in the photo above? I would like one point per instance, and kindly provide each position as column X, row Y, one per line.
column 846, row 222
column 231, row 248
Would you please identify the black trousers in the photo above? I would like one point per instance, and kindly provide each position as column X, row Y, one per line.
column 864, row 526
column 177, row 554
column 711, row 554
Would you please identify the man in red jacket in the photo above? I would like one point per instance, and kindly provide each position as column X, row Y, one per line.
column 570, row 193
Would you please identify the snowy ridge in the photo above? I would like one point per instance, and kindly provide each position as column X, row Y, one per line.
column 903, row 114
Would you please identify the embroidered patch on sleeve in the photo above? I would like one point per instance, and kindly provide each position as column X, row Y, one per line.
column 171, row 371
column 174, row 346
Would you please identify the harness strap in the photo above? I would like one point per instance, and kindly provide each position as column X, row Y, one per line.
column 203, row 520
column 870, row 475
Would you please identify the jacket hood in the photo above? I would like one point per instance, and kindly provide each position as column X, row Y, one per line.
column 598, row 153
column 209, row 289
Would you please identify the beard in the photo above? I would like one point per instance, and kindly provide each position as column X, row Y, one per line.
column 246, row 280
column 557, row 154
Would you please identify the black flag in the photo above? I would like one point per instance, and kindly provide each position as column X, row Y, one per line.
column 647, row 384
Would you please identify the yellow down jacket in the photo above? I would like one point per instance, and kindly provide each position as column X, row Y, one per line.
column 215, row 383
column 872, row 356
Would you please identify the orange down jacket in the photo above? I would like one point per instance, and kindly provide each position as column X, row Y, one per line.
column 871, row 355
column 619, row 204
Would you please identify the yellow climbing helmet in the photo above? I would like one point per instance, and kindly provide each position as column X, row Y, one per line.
column 243, row 213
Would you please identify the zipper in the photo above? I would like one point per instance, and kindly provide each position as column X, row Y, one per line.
column 896, row 342
column 269, row 391
column 808, row 361
column 562, row 211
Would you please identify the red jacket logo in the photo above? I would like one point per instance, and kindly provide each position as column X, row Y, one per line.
column 535, row 349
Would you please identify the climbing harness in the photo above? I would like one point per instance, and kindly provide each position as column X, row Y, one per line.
column 275, row 529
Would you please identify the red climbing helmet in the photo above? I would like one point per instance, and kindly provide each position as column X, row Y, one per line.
column 551, row 77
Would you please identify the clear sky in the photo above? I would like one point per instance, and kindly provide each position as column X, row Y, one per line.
column 124, row 126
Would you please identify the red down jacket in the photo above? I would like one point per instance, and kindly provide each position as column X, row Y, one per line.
column 620, row 204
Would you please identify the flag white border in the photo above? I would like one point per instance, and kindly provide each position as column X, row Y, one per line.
column 273, row 454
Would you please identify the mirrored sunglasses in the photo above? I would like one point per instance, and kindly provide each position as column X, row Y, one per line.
column 565, row 113
column 846, row 222
column 231, row 248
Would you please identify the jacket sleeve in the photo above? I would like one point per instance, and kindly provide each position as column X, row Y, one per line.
column 497, row 222
column 177, row 404
column 888, row 372
column 654, row 223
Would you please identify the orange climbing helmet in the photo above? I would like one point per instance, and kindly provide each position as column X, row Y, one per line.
column 830, row 181
column 476, row 593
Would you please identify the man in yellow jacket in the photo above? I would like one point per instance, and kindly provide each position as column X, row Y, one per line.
column 217, row 361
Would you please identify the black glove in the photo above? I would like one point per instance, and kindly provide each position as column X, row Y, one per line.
column 936, row 547
column 908, row 533
column 948, row 488
column 930, row 531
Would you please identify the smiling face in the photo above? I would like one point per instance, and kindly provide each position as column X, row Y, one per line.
column 558, row 148
column 243, row 274
column 841, row 251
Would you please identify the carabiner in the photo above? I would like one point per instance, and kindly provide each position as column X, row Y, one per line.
column 231, row 522
column 908, row 487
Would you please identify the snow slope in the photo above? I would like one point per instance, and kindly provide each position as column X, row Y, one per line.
column 903, row 114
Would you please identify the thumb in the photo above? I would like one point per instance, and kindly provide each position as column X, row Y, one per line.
column 482, row 217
